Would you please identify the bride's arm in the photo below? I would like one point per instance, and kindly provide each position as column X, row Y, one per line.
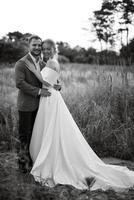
column 39, row 76
column 53, row 65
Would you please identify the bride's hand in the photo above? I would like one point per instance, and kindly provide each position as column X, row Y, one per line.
column 57, row 87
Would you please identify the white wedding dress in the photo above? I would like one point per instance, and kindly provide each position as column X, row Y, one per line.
column 61, row 154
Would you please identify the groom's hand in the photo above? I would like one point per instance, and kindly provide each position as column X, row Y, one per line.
column 45, row 93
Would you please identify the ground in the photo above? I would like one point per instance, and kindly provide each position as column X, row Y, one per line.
column 17, row 186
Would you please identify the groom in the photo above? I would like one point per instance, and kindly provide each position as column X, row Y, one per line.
column 30, row 90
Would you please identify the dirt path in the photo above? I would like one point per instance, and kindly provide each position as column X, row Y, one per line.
column 17, row 186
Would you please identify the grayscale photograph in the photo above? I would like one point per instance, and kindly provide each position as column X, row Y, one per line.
column 67, row 100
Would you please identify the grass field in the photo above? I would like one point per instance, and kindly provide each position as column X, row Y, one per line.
column 101, row 100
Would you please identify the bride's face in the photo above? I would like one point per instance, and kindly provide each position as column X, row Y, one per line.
column 48, row 51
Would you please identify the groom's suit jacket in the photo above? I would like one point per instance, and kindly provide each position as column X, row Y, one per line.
column 28, row 84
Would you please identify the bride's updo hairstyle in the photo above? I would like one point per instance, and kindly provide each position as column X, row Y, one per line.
column 51, row 43
column 49, row 49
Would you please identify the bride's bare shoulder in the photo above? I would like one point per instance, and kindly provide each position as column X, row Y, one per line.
column 53, row 64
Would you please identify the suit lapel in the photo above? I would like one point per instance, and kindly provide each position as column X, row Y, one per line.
column 42, row 64
column 29, row 62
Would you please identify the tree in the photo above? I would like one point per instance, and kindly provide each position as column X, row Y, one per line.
column 15, row 36
column 125, row 10
column 103, row 22
column 128, row 10
column 65, row 50
column 128, row 52
column 120, row 11
column 13, row 46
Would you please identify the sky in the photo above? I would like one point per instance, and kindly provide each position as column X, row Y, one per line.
column 60, row 20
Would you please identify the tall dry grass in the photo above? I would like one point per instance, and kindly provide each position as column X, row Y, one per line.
column 101, row 100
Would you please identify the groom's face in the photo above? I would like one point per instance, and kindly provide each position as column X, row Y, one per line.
column 35, row 47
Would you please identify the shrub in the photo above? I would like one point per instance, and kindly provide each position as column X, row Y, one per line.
column 63, row 59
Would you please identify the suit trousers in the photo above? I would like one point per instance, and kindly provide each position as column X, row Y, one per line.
column 26, row 122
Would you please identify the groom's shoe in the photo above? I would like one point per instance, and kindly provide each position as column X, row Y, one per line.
column 22, row 168
column 23, row 163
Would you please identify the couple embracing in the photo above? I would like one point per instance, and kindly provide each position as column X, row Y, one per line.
column 30, row 91
column 57, row 151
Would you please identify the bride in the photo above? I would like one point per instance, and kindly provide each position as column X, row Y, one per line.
column 58, row 149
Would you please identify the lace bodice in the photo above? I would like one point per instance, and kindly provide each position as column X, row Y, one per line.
column 49, row 75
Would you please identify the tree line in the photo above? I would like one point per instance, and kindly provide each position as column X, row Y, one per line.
column 110, row 24
column 14, row 45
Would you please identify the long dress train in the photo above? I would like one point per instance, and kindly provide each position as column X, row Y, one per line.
column 61, row 154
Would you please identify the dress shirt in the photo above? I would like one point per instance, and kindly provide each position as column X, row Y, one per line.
column 36, row 62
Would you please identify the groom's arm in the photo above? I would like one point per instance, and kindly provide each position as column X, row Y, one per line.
column 20, row 79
